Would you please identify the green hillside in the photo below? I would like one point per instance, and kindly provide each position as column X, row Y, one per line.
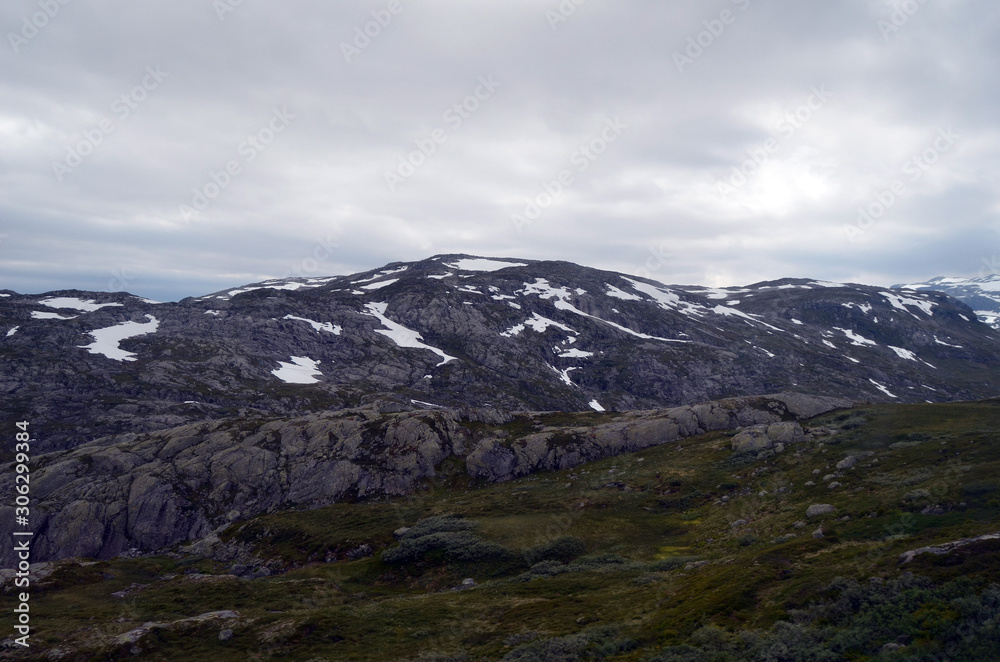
column 681, row 552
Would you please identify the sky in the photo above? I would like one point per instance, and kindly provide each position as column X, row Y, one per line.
column 176, row 148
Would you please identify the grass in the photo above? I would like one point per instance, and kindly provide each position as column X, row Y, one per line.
column 662, row 555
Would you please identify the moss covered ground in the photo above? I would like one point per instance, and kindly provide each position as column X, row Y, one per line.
column 683, row 551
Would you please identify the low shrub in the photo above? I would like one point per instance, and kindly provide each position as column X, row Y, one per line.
column 565, row 549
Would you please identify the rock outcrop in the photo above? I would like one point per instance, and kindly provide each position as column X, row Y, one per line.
column 161, row 488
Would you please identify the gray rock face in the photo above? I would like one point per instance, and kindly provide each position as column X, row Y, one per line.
column 818, row 509
column 763, row 437
column 157, row 489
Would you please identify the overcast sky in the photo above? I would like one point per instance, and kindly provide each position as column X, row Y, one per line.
column 715, row 142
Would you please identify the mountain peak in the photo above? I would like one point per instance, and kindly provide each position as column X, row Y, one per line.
column 467, row 331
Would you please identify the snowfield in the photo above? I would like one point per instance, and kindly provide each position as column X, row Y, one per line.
column 399, row 334
column 106, row 340
column 302, row 370
column 83, row 305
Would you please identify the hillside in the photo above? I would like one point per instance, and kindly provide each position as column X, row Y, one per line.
column 681, row 551
column 463, row 332
column 981, row 293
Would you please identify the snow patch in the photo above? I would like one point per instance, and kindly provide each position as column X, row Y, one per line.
column 12, row 331
column 564, row 374
column 667, row 299
column 902, row 302
column 83, row 305
column 882, row 388
column 381, row 274
column 537, row 323
column 106, row 340
column 39, row 315
column 380, row 285
column 302, row 370
column 574, row 354
column 856, row 339
column 426, row 404
column 329, row 327
column 399, row 334
column 286, row 286
column 482, row 264
column 440, row 277
column 904, row 353
column 795, row 321
column 941, row 342
column 595, row 405
column 724, row 310
column 621, row 294
column 542, row 288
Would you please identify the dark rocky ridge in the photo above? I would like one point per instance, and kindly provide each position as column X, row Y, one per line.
column 599, row 337
column 154, row 490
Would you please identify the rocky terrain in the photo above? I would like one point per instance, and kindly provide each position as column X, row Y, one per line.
column 981, row 293
column 460, row 332
column 868, row 533
column 146, row 492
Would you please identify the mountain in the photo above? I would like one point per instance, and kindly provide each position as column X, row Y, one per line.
column 471, row 333
column 982, row 294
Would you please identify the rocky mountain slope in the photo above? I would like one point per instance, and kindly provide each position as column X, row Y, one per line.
column 153, row 490
column 982, row 293
column 460, row 332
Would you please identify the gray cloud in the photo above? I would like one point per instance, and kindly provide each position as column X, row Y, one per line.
column 318, row 187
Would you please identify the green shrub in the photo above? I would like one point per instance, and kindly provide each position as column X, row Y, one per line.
column 563, row 549
column 451, row 537
column 438, row 524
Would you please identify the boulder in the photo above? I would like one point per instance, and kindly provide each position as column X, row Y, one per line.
column 785, row 432
column 752, row 439
column 847, row 463
column 818, row 509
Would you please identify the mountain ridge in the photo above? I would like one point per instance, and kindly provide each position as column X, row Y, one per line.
column 461, row 331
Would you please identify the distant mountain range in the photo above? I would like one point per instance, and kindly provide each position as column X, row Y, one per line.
column 465, row 332
column 982, row 294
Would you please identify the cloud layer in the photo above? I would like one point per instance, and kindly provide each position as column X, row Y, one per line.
column 171, row 149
